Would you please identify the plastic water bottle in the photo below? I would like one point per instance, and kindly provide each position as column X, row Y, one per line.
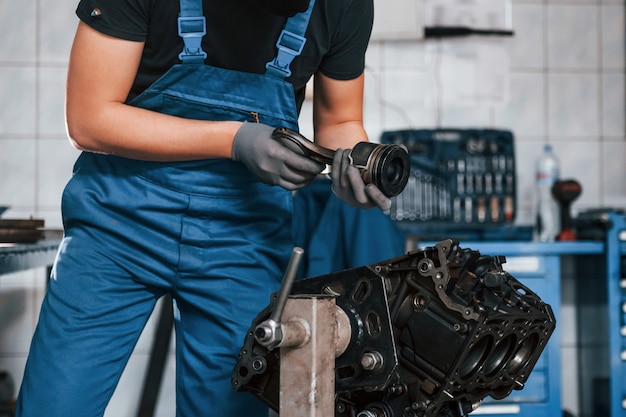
column 547, row 173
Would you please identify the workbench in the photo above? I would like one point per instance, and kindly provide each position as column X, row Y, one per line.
column 15, row 257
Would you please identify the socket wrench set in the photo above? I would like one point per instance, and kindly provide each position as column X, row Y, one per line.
column 458, row 177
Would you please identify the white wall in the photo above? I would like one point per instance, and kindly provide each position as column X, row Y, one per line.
column 566, row 87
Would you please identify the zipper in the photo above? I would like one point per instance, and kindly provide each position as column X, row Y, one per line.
column 255, row 116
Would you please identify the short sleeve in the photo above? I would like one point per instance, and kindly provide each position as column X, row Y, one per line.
column 124, row 19
column 345, row 59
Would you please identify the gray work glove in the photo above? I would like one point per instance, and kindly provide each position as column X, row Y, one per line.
column 348, row 185
column 270, row 160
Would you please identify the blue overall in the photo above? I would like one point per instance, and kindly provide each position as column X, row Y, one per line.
column 207, row 232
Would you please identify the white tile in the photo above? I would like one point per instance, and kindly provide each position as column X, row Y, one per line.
column 403, row 100
column 613, row 36
column 580, row 161
column 467, row 117
column 373, row 55
column 20, row 278
column 51, row 217
column 403, row 55
column 613, row 105
column 612, row 165
column 57, row 27
column 527, row 46
column 17, row 95
column 144, row 344
column 125, row 400
column 17, row 309
column 572, row 36
column 53, row 173
column 525, row 112
column 52, row 101
column 372, row 107
column 526, row 153
column 573, row 108
column 17, row 172
column 18, row 30
column 470, row 72
column 569, row 2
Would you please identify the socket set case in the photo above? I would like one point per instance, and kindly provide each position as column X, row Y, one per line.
column 459, row 177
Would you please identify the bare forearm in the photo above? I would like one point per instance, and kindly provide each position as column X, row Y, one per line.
column 338, row 112
column 137, row 133
column 343, row 135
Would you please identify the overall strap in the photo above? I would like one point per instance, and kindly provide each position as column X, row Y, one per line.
column 290, row 43
column 191, row 27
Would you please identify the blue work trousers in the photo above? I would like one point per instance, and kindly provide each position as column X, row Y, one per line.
column 207, row 232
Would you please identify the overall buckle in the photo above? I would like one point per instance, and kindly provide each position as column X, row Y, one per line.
column 289, row 46
column 192, row 29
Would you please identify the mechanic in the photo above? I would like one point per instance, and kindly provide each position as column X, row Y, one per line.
column 180, row 188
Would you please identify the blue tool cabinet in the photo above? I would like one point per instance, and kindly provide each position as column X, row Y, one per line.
column 616, row 303
column 603, row 358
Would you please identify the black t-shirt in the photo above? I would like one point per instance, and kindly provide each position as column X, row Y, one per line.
column 240, row 36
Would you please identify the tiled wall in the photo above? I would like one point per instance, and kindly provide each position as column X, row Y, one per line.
column 564, row 74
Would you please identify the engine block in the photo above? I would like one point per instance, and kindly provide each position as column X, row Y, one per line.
column 445, row 326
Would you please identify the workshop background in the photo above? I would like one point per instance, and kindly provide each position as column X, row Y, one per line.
column 559, row 79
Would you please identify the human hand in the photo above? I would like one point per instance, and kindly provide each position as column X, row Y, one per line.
column 272, row 161
column 348, row 185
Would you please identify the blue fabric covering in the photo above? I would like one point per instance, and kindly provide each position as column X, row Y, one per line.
column 336, row 236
